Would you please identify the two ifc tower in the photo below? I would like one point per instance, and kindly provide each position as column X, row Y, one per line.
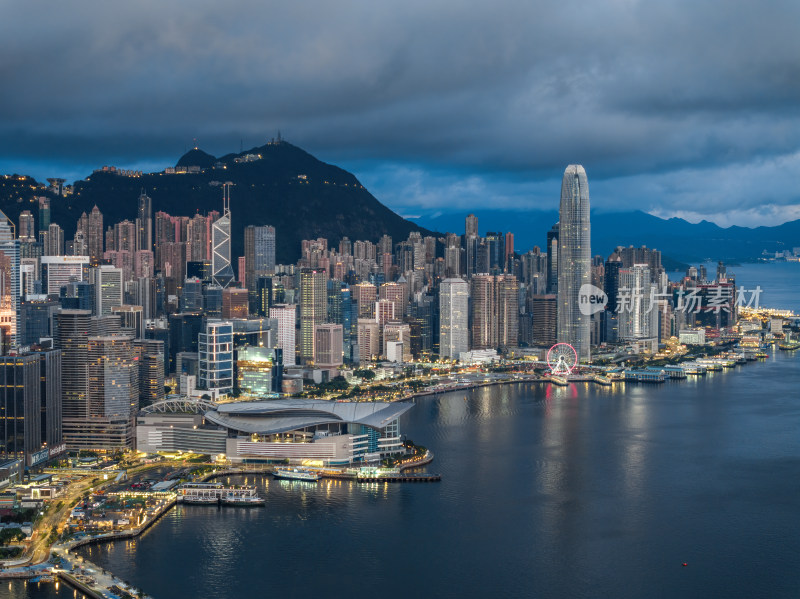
column 574, row 260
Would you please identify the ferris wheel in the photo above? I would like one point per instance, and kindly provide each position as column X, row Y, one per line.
column 562, row 358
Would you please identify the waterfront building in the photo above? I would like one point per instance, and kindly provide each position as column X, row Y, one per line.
column 335, row 433
column 484, row 314
column 454, row 318
column 638, row 317
column 574, row 260
column 215, row 350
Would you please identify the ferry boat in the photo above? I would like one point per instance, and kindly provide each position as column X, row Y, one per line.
column 789, row 345
column 302, row 474
column 559, row 380
column 242, row 500
column 762, row 355
column 198, row 499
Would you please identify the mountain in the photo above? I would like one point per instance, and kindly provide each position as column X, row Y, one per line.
column 276, row 184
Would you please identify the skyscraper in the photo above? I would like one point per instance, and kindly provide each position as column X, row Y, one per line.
column 574, row 259
column 221, row 270
column 285, row 315
column 9, row 284
column 112, row 391
column 94, row 239
column 454, row 323
column 215, row 352
column 259, row 257
column 313, row 308
column 144, row 223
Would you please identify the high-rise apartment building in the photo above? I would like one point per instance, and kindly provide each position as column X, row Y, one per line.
column 574, row 260
column 454, row 318
column 365, row 294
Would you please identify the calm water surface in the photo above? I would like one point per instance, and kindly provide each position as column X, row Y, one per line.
column 573, row 492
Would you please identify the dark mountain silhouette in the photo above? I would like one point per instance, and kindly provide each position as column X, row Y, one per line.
column 276, row 184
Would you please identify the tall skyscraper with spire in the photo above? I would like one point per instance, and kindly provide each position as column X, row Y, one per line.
column 574, row 259
column 221, row 270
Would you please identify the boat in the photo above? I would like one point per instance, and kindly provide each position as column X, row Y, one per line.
column 295, row 474
column 559, row 380
column 198, row 499
column 243, row 500
column 789, row 345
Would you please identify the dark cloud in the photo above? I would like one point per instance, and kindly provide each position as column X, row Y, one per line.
column 441, row 104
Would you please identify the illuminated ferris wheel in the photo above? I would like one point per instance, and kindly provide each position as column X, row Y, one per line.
column 562, row 358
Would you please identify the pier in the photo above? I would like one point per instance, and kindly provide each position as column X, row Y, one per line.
column 212, row 493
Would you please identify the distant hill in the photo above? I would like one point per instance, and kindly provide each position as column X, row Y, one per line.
column 276, row 184
column 680, row 241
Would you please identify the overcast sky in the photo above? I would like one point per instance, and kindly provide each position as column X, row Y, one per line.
column 685, row 108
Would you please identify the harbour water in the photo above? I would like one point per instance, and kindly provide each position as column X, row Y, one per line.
column 577, row 491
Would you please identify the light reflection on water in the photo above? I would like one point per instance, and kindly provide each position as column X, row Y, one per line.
column 579, row 491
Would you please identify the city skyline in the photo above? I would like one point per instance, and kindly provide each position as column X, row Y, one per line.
column 428, row 119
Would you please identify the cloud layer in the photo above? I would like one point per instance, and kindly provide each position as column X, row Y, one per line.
column 674, row 107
